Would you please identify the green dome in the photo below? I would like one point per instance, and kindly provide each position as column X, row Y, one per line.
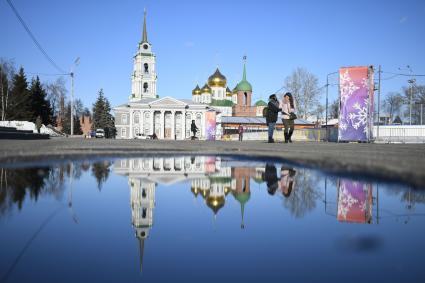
column 242, row 198
column 244, row 86
column 260, row 103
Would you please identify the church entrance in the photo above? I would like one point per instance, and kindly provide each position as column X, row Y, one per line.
column 168, row 127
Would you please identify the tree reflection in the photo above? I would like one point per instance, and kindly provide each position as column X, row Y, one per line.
column 101, row 170
column 304, row 193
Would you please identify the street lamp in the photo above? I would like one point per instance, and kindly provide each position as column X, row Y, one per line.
column 76, row 62
column 411, row 82
column 327, row 102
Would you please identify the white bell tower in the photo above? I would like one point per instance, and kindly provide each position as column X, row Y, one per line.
column 143, row 79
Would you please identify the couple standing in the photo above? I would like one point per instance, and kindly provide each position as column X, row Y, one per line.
column 287, row 107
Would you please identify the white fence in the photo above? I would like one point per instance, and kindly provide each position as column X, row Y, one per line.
column 400, row 134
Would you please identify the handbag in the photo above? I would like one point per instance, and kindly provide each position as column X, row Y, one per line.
column 292, row 116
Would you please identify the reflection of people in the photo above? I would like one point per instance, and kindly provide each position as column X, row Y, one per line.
column 287, row 180
column 288, row 111
column 272, row 113
column 193, row 129
column 240, row 132
column 270, row 175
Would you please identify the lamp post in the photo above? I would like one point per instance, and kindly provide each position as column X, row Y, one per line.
column 411, row 82
column 76, row 62
column 327, row 102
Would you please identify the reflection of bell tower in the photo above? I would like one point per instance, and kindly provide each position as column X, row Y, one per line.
column 142, row 200
column 242, row 192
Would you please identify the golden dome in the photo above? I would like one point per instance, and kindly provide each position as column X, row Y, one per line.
column 228, row 92
column 196, row 90
column 215, row 202
column 217, row 79
column 206, row 89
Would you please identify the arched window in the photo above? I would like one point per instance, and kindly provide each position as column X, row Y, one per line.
column 136, row 118
column 146, row 66
column 145, row 87
column 245, row 98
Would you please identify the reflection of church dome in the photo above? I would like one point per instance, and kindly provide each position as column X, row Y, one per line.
column 228, row 92
column 194, row 191
column 196, row 90
column 206, row 89
column 217, row 79
column 242, row 198
column 215, row 203
column 204, row 193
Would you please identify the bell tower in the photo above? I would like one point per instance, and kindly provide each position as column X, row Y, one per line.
column 143, row 79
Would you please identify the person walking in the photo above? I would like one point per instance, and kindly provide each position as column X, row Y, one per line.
column 271, row 117
column 193, row 129
column 240, row 132
column 38, row 123
column 288, row 116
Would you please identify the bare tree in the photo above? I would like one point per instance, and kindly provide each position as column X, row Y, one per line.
column 392, row 104
column 7, row 71
column 334, row 109
column 304, row 86
column 56, row 93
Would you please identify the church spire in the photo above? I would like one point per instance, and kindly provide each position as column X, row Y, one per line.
column 141, row 250
column 244, row 68
column 145, row 34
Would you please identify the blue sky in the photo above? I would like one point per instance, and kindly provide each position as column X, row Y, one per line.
column 190, row 38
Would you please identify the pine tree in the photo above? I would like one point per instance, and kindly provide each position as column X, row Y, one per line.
column 102, row 117
column 40, row 105
column 98, row 111
column 19, row 99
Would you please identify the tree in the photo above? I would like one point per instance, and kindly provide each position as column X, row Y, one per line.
column 66, row 122
column 102, row 117
column 40, row 105
column 334, row 109
column 392, row 104
column 416, row 96
column 56, row 94
column 19, row 107
column 318, row 111
column 304, row 87
column 7, row 71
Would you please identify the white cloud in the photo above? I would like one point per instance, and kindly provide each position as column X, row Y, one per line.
column 189, row 44
column 403, row 20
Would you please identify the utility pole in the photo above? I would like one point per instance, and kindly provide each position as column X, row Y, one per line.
column 379, row 100
column 76, row 62
column 72, row 103
column 327, row 102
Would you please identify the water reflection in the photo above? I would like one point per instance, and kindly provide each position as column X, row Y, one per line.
column 219, row 183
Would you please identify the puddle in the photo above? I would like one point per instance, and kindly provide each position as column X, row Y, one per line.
column 205, row 219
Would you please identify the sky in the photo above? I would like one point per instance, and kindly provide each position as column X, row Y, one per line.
column 192, row 38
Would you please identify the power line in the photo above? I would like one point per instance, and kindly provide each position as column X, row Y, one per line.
column 406, row 75
column 33, row 38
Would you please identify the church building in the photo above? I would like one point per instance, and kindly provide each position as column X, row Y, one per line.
column 145, row 113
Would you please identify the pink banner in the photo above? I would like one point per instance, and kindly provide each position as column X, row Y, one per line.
column 356, row 104
column 210, row 124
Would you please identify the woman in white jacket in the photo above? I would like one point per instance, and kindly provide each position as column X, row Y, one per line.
column 288, row 117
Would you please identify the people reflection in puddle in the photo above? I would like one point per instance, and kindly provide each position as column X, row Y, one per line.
column 270, row 176
column 287, row 180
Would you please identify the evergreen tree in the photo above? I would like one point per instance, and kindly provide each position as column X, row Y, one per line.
column 19, row 107
column 40, row 105
column 102, row 117
column 4, row 92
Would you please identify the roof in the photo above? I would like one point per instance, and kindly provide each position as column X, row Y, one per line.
column 256, row 120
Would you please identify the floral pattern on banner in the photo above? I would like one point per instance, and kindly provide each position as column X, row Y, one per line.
column 356, row 101
column 354, row 201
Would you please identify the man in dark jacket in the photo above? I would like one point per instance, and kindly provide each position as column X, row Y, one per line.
column 193, row 129
column 272, row 113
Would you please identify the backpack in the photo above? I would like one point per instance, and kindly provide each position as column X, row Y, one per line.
column 265, row 112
